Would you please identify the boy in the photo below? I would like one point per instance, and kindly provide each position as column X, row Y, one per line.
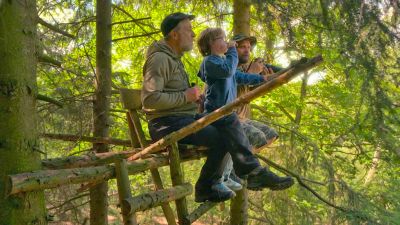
column 218, row 70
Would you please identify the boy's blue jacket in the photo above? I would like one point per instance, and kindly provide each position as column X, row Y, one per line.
column 221, row 76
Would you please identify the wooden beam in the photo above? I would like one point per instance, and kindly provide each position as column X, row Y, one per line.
column 156, row 198
column 177, row 179
column 97, row 159
column 47, row 179
column 199, row 211
column 239, row 206
column 124, row 191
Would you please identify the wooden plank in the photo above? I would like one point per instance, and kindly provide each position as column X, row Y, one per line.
column 132, row 133
column 130, row 98
column 199, row 211
column 168, row 213
column 124, row 191
column 97, row 159
column 46, row 179
column 239, row 206
column 138, row 128
column 156, row 198
column 177, row 179
column 139, row 134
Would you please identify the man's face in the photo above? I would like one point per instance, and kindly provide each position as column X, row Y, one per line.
column 244, row 49
column 185, row 35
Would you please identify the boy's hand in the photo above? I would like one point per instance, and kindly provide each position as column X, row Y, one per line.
column 231, row 44
column 192, row 94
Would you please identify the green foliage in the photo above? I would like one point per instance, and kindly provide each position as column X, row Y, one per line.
column 349, row 111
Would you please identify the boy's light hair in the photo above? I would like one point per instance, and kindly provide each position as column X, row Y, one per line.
column 206, row 37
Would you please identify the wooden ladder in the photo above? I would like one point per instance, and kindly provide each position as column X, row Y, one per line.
column 160, row 197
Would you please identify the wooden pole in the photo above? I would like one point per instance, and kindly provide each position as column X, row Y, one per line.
column 96, row 159
column 46, row 179
column 239, row 205
column 156, row 198
column 177, row 179
column 168, row 213
column 91, row 159
column 137, row 129
column 201, row 210
column 132, row 132
column 283, row 77
column 124, row 191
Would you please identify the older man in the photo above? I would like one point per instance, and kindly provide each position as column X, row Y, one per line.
column 170, row 104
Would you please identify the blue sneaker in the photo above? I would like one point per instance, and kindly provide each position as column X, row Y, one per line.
column 233, row 185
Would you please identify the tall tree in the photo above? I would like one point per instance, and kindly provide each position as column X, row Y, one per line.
column 241, row 24
column 101, row 107
column 241, row 16
column 19, row 150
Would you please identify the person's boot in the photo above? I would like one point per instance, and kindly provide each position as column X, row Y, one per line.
column 218, row 192
column 264, row 178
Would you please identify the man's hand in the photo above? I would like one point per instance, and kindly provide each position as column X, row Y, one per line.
column 193, row 94
column 266, row 71
column 256, row 66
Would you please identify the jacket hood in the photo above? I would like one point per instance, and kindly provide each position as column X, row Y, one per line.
column 161, row 46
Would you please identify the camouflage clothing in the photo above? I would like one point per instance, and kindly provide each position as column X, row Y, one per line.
column 258, row 133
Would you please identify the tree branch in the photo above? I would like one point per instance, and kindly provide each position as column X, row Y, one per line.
column 263, row 110
column 54, row 28
column 49, row 100
column 135, row 36
column 68, row 201
column 285, row 112
column 70, row 137
column 130, row 21
column 47, row 59
column 300, row 180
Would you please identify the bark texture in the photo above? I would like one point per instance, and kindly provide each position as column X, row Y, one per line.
column 101, row 107
column 18, row 134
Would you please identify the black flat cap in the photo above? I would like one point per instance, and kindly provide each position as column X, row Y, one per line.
column 241, row 37
column 172, row 20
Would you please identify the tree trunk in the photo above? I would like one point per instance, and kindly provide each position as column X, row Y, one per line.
column 241, row 17
column 241, row 25
column 18, row 133
column 101, row 107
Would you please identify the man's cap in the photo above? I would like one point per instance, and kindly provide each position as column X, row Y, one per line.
column 241, row 37
column 172, row 20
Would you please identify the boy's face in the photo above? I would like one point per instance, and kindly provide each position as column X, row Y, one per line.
column 219, row 45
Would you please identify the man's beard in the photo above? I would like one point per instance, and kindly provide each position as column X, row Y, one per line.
column 243, row 60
